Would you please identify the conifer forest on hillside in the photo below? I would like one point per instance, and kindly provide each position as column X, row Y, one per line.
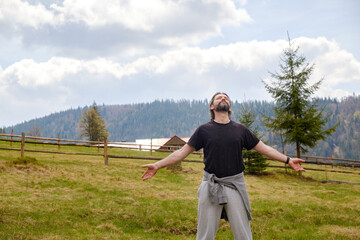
column 166, row 118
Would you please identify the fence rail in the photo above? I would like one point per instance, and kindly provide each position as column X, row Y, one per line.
column 96, row 144
column 105, row 145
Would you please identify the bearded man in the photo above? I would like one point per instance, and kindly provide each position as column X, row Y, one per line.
column 222, row 192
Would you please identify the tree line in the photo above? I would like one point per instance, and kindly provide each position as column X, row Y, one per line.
column 165, row 118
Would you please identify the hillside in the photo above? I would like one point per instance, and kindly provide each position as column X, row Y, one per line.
column 166, row 118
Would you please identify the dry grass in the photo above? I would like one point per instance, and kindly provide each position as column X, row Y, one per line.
column 62, row 197
column 338, row 232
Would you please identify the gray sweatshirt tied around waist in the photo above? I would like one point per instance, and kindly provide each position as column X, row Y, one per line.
column 217, row 193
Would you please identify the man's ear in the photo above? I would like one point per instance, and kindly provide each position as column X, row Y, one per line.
column 212, row 107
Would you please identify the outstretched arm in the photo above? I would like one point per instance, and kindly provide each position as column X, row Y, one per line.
column 173, row 158
column 276, row 155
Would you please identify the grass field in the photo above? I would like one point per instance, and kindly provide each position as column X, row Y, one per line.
column 78, row 197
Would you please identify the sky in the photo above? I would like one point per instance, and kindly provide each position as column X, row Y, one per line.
column 62, row 54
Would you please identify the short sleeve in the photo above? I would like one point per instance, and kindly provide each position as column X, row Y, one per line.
column 196, row 140
column 250, row 140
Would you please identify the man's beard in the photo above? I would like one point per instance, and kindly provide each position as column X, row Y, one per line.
column 222, row 107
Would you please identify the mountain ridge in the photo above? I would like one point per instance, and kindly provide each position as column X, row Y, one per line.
column 166, row 118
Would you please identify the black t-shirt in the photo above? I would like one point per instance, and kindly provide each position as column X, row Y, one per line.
column 222, row 145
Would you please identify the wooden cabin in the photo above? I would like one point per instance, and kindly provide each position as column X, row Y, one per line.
column 173, row 144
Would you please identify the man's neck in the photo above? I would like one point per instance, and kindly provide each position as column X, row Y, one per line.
column 222, row 117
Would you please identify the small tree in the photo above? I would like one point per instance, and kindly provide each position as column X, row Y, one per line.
column 34, row 131
column 296, row 117
column 92, row 125
column 255, row 163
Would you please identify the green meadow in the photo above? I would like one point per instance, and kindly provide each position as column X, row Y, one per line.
column 53, row 196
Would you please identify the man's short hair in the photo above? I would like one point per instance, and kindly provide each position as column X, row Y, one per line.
column 212, row 114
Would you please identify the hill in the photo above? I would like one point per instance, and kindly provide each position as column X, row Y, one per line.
column 165, row 118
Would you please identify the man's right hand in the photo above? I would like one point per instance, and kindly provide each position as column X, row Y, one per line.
column 150, row 171
column 173, row 158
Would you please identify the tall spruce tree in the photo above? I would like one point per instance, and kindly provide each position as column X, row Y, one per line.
column 255, row 163
column 296, row 115
column 92, row 125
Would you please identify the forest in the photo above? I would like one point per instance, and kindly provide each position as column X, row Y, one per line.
column 166, row 118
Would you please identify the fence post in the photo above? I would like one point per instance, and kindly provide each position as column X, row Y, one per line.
column 22, row 144
column 12, row 133
column 150, row 146
column 105, row 152
column 286, row 153
column 332, row 161
column 59, row 141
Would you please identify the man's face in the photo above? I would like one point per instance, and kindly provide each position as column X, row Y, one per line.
column 221, row 103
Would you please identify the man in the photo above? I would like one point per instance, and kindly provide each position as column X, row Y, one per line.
column 223, row 187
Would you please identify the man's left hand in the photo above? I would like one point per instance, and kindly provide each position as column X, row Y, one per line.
column 295, row 164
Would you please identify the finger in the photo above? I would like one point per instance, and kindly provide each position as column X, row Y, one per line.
column 147, row 177
column 300, row 169
column 145, row 166
column 297, row 167
column 296, row 160
column 145, row 173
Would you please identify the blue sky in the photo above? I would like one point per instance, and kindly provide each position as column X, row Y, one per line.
column 58, row 54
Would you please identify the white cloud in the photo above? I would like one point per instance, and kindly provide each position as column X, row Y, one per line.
column 134, row 14
column 242, row 2
column 28, row 73
column 147, row 15
column 123, row 25
column 18, row 13
column 337, row 65
column 240, row 56
column 338, row 93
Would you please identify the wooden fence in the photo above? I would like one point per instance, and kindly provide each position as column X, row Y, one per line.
column 105, row 145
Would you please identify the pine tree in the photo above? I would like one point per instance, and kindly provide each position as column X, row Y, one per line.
column 296, row 117
column 92, row 125
column 255, row 163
